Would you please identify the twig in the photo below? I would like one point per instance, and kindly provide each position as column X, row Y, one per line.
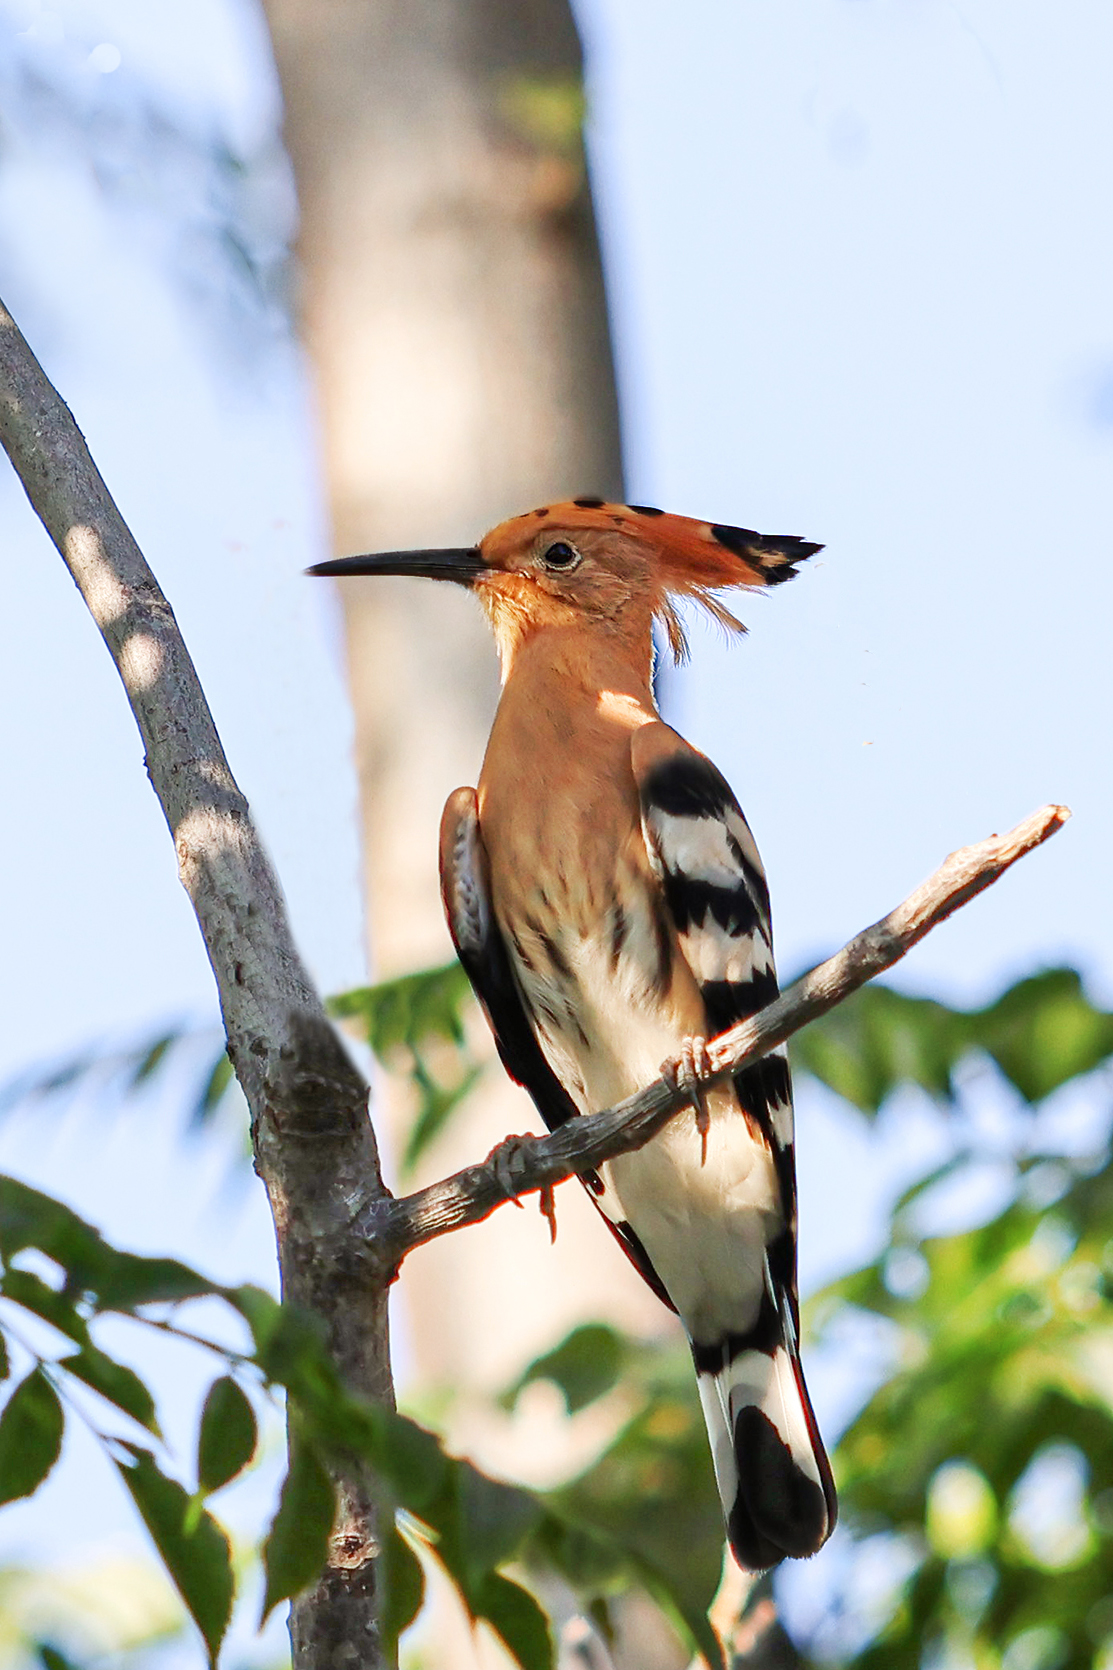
column 522, row 1164
column 314, row 1145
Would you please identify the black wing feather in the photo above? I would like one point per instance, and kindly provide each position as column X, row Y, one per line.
column 718, row 899
column 466, row 892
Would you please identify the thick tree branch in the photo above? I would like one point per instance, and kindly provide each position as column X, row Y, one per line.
column 523, row 1164
column 314, row 1145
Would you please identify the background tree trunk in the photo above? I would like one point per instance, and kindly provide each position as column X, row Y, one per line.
column 453, row 305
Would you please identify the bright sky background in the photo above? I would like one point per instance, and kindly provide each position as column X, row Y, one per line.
column 861, row 264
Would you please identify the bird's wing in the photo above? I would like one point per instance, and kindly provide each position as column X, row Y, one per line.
column 714, row 884
column 465, row 889
column 773, row 1474
column 466, row 892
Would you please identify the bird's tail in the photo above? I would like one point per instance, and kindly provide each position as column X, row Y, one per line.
column 773, row 1475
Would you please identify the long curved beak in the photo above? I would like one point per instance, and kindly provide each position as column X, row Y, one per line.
column 461, row 566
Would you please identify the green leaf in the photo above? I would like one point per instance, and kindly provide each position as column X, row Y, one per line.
column 5, row 1361
column 585, row 1365
column 402, row 1588
column 30, row 1436
column 126, row 1280
column 227, row 1437
column 1044, row 1031
column 438, row 1104
column 193, row 1546
column 408, row 1010
column 1041, row 1032
column 216, row 1082
column 117, row 1280
column 52, row 1658
column 517, row 1620
column 31, row 1219
column 493, row 1520
column 411, row 1459
column 690, row 1621
column 652, row 1491
column 590, row 1562
column 150, row 1059
column 402, row 1018
column 119, row 1384
column 880, row 1039
column 26, row 1288
column 296, row 1546
column 259, row 1309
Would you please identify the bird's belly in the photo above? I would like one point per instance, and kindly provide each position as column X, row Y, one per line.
column 704, row 1214
column 607, row 1035
column 705, row 1217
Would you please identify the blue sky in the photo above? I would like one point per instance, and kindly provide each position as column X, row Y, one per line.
column 861, row 261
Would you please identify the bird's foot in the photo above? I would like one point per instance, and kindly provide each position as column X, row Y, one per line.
column 501, row 1159
column 686, row 1072
column 547, row 1203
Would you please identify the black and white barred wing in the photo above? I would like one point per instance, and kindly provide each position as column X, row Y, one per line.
column 773, row 1475
column 715, row 888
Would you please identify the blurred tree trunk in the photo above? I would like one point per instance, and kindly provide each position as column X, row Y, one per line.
column 453, row 306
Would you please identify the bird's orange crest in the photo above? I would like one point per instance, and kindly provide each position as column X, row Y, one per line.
column 688, row 558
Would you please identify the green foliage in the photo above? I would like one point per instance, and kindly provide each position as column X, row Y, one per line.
column 115, row 1382
column 586, row 1365
column 646, row 1512
column 1003, row 1359
column 97, row 1276
column 1004, row 1346
column 403, row 1587
column 194, row 1548
column 52, row 1658
column 296, row 1547
column 1039, row 1033
column 115, row 1074
column 1003, row 1339
column 416, row 1024
column 227, row 1437
column 473, row 1525
column 30, row 1436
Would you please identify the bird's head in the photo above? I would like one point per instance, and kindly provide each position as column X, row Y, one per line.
column 589, row 563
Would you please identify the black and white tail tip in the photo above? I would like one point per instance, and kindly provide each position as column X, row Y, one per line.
column 772, row 1471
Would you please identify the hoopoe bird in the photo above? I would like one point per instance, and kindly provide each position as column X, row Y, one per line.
column 607, row 901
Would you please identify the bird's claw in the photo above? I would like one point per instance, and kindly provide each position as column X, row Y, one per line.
column 686, row 1072
column 501, row 1159
column 547, row 1203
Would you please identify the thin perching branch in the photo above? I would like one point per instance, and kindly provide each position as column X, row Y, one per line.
column 314, row 1145
column 521, row 1165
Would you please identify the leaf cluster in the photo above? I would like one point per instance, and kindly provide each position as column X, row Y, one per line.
column 1003, row 1344
column 59, row 1270
column 407, row 1023
column 1004, row 1348
column 1040, row 1033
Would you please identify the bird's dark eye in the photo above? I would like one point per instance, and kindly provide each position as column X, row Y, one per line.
column 561, row 555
